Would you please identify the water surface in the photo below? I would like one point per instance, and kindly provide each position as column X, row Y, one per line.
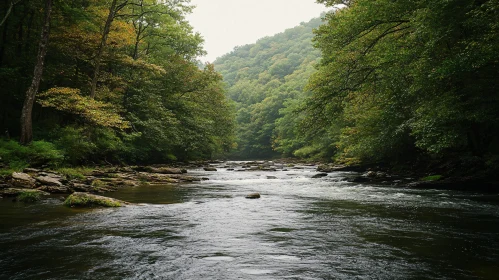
column 301, row 228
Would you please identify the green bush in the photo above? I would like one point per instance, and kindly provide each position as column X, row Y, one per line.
column 29, row 196
column 84, row 145
column 37, row 153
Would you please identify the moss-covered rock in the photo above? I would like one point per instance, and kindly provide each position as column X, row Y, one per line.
column 80, row 199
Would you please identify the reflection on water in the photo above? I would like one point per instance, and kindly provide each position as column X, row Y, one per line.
column 301, row 228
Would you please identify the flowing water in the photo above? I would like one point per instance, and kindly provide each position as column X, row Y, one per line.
column 301, row 228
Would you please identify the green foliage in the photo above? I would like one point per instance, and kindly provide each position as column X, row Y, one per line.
column 403, row 79
column 75, row 173
column 152, row 102
column 29, row 196
column 38, row 153
column 95, row 112
column 266, row 81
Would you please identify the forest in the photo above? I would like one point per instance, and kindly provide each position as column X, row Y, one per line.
column 86, row 82
column 395, row 82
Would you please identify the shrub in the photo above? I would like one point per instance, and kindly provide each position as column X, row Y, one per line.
column 29, row 196
column 37, row 153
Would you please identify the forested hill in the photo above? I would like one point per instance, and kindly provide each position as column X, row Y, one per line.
column 266, row 80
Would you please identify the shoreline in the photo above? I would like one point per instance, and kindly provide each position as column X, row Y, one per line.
column 101, row 180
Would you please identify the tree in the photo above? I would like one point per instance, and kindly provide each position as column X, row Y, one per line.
column 26, row 114
column 113, row 10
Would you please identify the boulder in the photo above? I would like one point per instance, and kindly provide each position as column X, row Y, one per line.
column 31, row 170
column 81, row 187
column 320, row 175
column 22, row 180
column 54, row 189
column 210, row 169
column 253, row 196
column 80, row 199
column 49, row 181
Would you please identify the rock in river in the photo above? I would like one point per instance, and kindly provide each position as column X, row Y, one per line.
column 210, row 169
column 320, row 175
column 253, row 196
column 79, row 199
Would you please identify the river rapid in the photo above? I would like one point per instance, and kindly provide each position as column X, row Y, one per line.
column 301, row 228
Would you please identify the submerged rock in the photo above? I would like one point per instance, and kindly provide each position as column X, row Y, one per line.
column 271, row 177
column 253, row 196
column 210, row 169
column 79, row 199
column 320, row 175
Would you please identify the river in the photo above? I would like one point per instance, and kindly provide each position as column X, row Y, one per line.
column 301, row 228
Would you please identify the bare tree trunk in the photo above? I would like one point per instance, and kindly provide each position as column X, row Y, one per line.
column 26, row 115
column 98, row 57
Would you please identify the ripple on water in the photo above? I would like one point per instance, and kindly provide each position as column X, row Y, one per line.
column 302, row 228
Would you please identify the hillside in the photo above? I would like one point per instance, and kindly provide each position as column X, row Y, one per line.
column 266, row 80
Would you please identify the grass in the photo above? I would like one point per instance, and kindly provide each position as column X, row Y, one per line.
column 29, row 196
column 6, row 172
column 84, row 200
column 432, row 178
column 75, row 173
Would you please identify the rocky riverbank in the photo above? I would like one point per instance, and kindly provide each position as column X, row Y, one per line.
column 422, row 177
column 40, row 182
column 34, row 183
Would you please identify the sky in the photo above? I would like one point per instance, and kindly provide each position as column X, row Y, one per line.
column 225, row 24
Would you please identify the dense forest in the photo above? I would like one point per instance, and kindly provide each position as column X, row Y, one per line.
column 266, row 80
column 94, row 81
column 397, row 81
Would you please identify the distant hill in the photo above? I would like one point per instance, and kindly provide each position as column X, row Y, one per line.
column 266, row 80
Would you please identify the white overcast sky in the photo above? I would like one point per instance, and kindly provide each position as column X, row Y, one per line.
column 225, row 24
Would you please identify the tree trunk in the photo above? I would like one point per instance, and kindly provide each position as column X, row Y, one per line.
column 26, row 115
column 9, row 10
column 98, row 57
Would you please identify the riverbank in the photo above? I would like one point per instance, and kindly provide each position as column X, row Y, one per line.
column 450, row 175
column 96, row 180
column 35, row 183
